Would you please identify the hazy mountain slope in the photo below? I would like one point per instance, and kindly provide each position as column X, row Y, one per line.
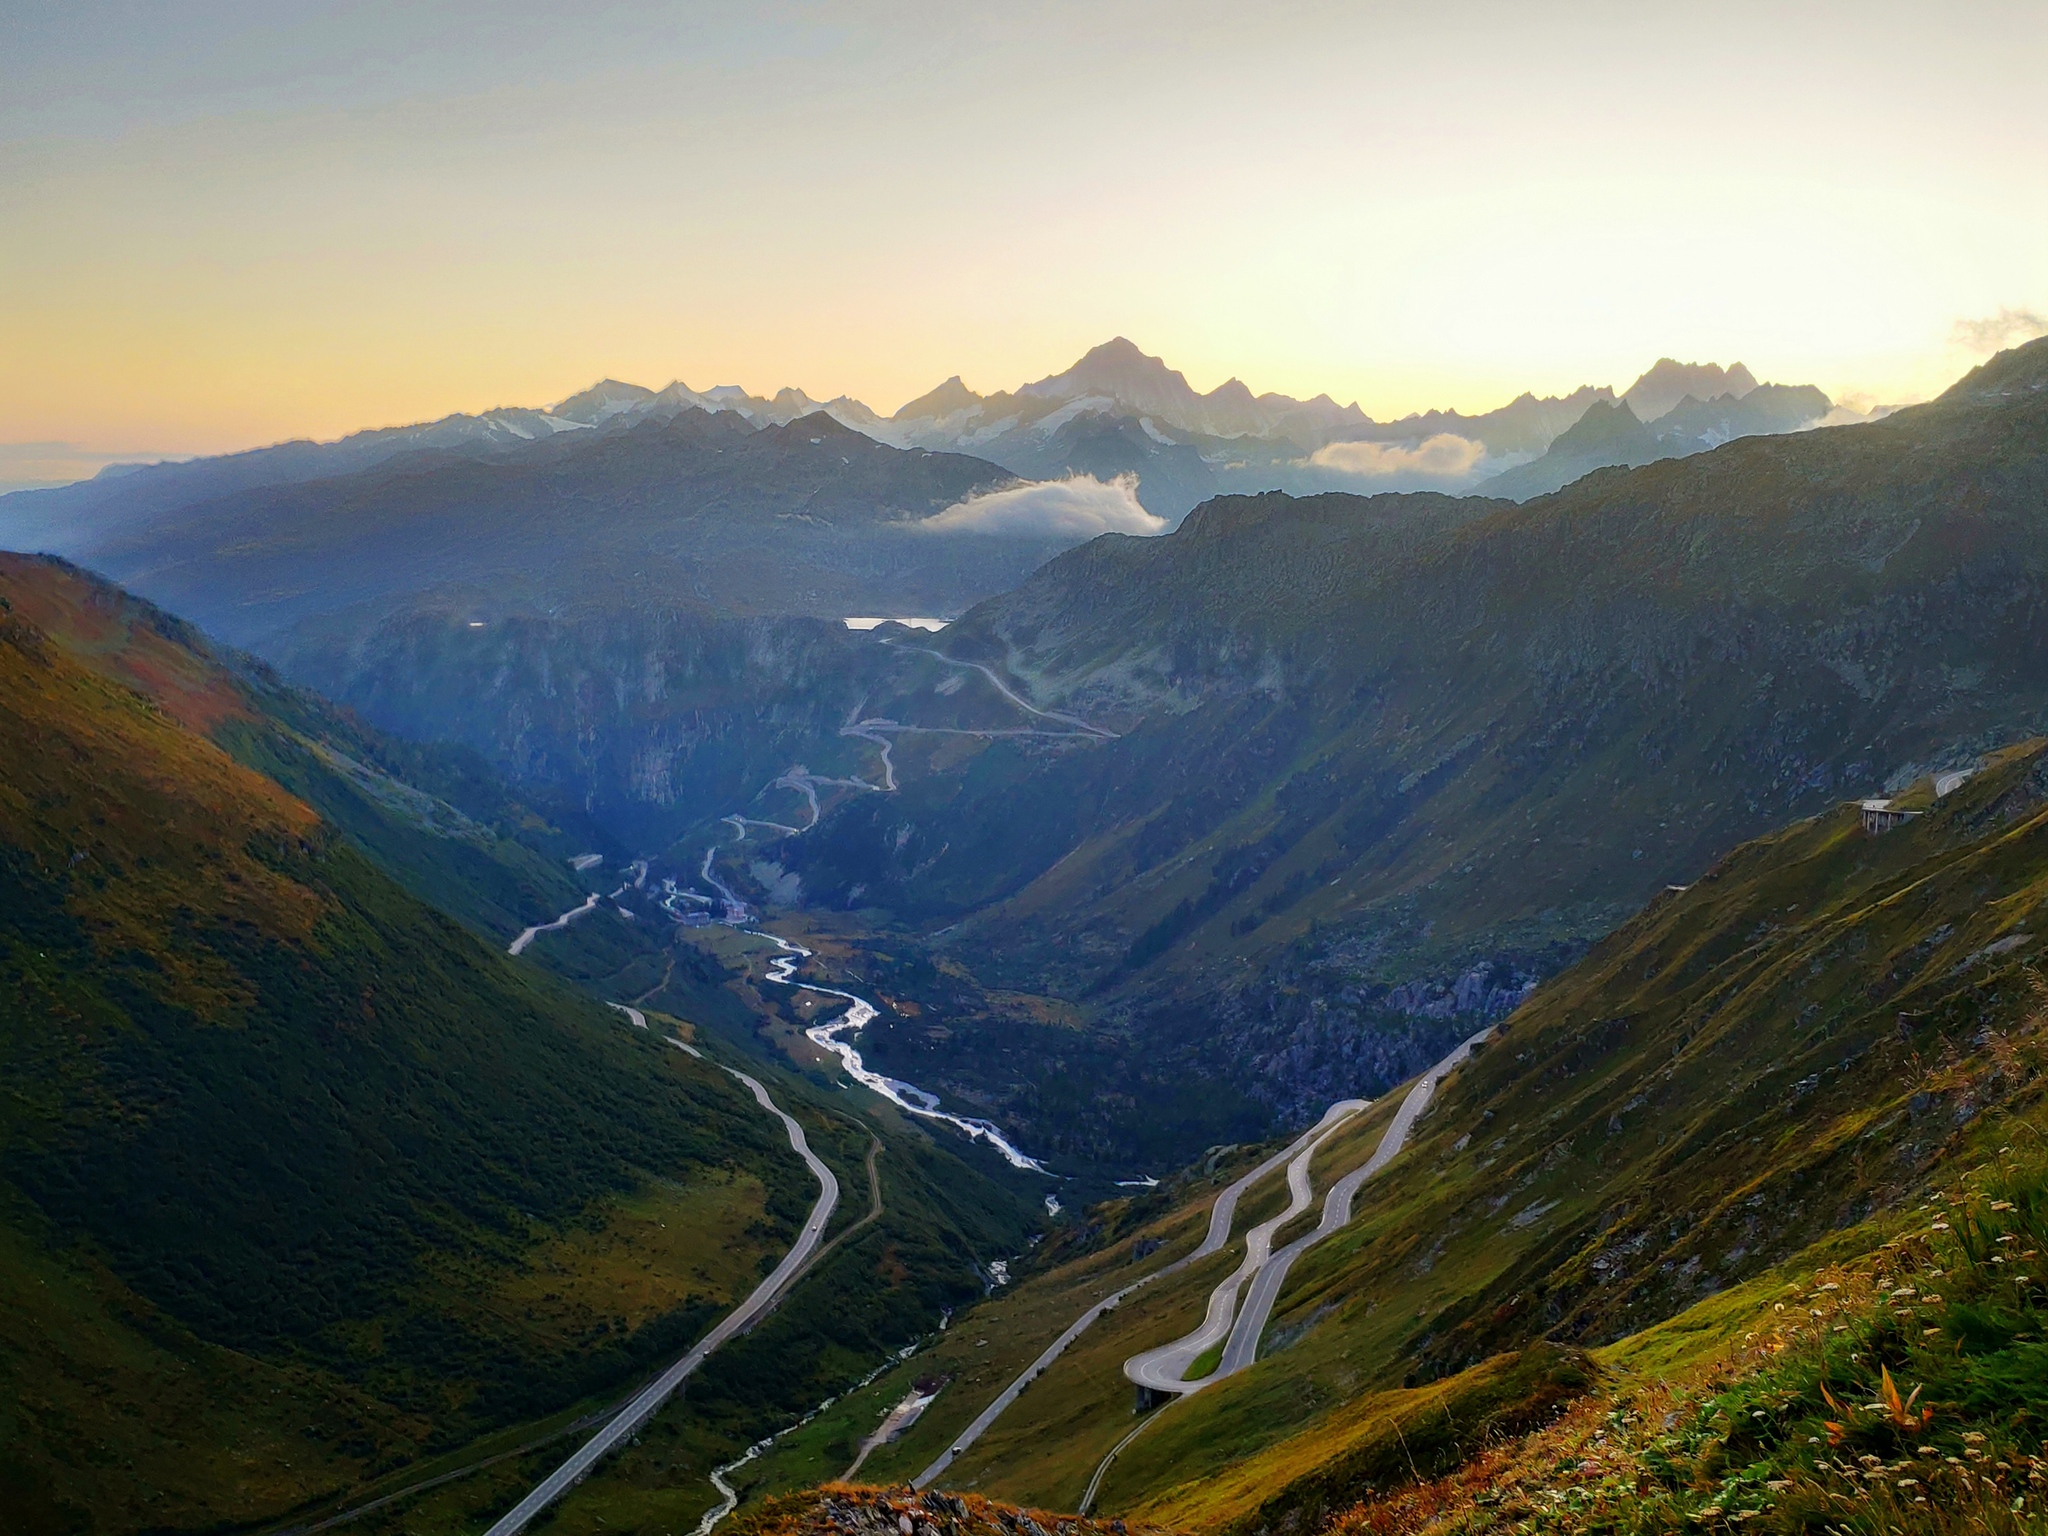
column 1694, row 425
column 1372, row 745
column 1608, row 435
column 74, row 518
column 1602, row 438
column 652, row 717
column 1172, row 476
column 1667, row 382
column 804, row 518
column 435, row 818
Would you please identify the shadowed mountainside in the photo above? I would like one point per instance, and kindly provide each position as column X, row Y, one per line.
column 806, row 517
column 1370, row 747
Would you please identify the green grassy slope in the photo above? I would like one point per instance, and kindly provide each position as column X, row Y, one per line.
column 286, row 1157
column 1776, row 1058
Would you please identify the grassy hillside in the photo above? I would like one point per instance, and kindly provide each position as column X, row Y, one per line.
column 436, row 818
column 1759, row 1076
column 298, row 1177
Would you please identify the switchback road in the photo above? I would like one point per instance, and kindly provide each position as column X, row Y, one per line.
column 1165, row 1369
column 1221, row 1215
column 1243, row 1347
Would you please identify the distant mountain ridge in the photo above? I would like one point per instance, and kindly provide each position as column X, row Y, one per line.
column 1115, row 411
column 1121, row 411
column 695, row 506
column 1669, row 381
column 1618, row 433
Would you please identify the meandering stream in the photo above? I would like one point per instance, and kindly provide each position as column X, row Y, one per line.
column 860, row 1013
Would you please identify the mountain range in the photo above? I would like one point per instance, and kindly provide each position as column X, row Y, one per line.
column 1116, row 413
column 1356, row 771
column 1701, row 793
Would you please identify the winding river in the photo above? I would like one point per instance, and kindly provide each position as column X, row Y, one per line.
column 907, row 1097
column 837, row 1035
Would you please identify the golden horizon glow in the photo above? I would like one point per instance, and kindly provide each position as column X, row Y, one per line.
column 233, row 227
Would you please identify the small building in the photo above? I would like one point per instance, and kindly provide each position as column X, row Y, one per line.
column 1883, row 815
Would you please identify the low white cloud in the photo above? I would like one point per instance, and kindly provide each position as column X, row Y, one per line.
column 1852, row 412
column 1994, row 333
column 1444, row 457
column 1077, row 508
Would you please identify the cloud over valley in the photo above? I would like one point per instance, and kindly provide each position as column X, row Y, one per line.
column 1443, row 459
column 1079, row 507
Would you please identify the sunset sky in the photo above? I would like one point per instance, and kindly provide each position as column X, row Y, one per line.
column 229, row 223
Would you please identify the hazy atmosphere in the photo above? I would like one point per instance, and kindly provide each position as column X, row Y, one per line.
column 1044, row 769
column 235, row 223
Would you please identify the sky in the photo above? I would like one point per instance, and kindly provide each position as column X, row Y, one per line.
column 228, row 223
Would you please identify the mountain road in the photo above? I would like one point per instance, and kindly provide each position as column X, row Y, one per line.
column 642, row 1407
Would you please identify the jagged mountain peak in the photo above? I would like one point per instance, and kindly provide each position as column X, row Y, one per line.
column 818, row 424
column 1669, row 381
column 948, row 398
column 606, row 398
column 1119, row 370
column 1606, row 423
